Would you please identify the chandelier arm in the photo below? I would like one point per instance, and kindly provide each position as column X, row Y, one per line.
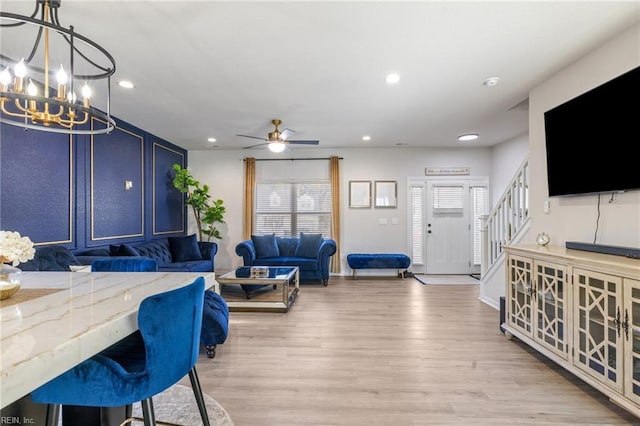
column 18, row 24
column 55, row 20
column 20, row 108
column 11, row 113
column 111, row 125
column 35, row 46
column 108, row 72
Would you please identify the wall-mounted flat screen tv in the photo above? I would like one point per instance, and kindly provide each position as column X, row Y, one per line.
column 593, row 140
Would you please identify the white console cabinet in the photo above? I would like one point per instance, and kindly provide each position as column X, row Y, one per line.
column 582, row 310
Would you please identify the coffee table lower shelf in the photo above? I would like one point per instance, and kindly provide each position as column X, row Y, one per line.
column 274, row 293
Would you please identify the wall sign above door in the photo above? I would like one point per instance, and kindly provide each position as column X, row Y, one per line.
column 447, row 171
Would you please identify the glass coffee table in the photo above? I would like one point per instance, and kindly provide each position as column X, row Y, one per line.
column 274, row 290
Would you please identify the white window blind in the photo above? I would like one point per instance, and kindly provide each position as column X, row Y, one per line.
column 417, row 220
column 448, row 199
column 287, row 208
column 479, row 199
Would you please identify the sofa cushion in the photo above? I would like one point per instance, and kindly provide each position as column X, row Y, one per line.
column 265, row 245
column 122, row 250
column 309, row 245
column 157, row 249
column 184, row 248
column 303, row 263
column 50, row 258
column 102, row 252
column 187, row 266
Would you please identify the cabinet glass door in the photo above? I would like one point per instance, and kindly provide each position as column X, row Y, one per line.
column 598, row 330
column 520, row 289
column 550, row 307
column 632, row 339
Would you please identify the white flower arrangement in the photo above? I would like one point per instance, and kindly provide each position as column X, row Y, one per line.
column 15, row 248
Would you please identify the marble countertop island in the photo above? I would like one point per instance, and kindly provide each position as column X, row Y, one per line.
column 71, row 317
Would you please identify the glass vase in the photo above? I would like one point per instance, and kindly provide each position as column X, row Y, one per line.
column 9, row 280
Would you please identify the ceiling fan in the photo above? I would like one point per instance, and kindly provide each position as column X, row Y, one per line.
column 277, row 140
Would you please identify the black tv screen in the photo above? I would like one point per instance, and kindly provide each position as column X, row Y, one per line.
column 593, row 140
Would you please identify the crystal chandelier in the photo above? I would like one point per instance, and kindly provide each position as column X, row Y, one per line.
column 27, row 97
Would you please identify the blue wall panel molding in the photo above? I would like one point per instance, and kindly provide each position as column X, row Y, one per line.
column 117, row 186
column 168, row 202
column 37, row 185
column 70, row 190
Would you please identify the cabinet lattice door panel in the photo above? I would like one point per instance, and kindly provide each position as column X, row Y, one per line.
column 520, row 291
column 632, row 339
column 597, row 325
column 550, row 307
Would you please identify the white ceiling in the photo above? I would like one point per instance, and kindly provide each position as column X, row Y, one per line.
column 217, row 69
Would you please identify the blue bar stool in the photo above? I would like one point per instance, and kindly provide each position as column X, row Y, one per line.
column 149, row 361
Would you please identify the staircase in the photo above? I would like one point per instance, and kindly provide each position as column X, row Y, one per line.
column 506, row 223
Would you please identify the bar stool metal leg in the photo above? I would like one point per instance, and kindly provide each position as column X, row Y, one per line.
column 197, row 391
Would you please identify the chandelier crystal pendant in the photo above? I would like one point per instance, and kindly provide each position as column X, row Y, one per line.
column 38, row 87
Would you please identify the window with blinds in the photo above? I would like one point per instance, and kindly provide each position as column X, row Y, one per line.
column 448, row 199
column 417, row 224
column 479, row 201
column 287, row 208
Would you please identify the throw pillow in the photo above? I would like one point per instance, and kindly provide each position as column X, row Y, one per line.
column 122, row 250
column 309, row 245
column 184, row 248
column 265, row 245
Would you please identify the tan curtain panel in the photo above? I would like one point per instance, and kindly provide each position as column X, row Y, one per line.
column 334, row 174
column 249, row 189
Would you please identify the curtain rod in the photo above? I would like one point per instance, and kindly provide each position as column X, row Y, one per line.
column 292, row 159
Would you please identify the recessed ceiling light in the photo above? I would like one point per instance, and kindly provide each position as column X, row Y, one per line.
column 366, row 138
column 468, row 137
column 392, row 78
column 126, row 84
column 491, row 81
column 212, row 140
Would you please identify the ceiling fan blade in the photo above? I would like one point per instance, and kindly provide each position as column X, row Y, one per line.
column 254, row 146
column 304, row 142
column 252, row 137
column 286, row 133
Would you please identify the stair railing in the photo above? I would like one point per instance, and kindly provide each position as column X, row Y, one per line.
column 507, row 218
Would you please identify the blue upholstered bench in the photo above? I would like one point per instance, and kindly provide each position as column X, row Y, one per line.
column 378, row 261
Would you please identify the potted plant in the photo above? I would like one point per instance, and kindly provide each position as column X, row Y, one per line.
column 207, row 211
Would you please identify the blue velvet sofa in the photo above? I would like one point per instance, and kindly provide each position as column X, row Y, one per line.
column 309, row 252
column 173, row 254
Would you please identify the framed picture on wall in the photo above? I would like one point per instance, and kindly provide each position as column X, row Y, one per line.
column 386, row 192
column 359, row 194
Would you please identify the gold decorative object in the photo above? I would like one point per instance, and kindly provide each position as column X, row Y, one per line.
column 8, row 291
column 543, row 239
column 9, row 280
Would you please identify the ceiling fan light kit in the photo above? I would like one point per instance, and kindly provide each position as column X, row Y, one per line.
column 278, row 141
column 277, row 146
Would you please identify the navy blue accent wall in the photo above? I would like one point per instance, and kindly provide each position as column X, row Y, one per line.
column 36, row 196
column 116, row 196
column 72, row 190
column 167, row 199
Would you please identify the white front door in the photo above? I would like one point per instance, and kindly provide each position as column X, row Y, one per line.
column 448, row 228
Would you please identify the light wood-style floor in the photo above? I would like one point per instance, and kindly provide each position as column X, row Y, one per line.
column 390, row 351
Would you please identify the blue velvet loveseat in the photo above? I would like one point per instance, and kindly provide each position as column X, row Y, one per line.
column 309, row 252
